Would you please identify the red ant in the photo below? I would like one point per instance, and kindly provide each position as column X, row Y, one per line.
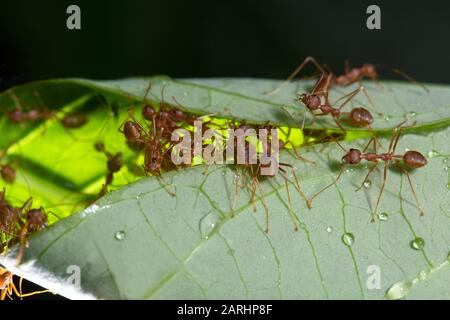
column 359, row 117
column 351, row 75
column 411, row 159
column 7, row 286
column 156, row 155
column 69, row 121
column 113, row 164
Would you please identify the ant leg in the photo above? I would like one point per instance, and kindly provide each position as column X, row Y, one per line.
column 21, row 295
column 349, row 96
column 340, row 126
column 296, row 71
column 375, row 108
column 368, row 144
column 374, row 212
column 291, row 211
column 297, row 183
column 367, row 176
column 164, row 184
column 297, row 155
column 412, row 190
column 331, row 184
column 236, row 188
column 409, row 78
column 266, row 208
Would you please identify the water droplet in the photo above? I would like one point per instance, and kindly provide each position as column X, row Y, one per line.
column 407, row 149
column 448, row 185
column 445, row 168
column 367, row 184
column 399, row 290
column 412, row 114
column 387, row 118
column 120, row 235
column 383, row 216
column 432, row 153
column 207, row 225
column 349, row 170
column 445, row 160
column 423, row 274
column 417, row 243
column 329, row 229
column 348, row 239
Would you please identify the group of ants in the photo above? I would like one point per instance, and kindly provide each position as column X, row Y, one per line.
column 154, row 139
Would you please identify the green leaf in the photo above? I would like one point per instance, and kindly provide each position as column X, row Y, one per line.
column 139, row 242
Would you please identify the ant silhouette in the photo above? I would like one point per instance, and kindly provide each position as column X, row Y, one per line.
column 411, row 159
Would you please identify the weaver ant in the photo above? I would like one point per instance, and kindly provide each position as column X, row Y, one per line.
column 69, row 121
column 351, row 75
column 7, row 286
column 113, row 164
column 411, row 159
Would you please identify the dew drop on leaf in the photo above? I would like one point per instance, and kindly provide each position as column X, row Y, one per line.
column 417, row 243
column 383, row 216
column 207, row 224
column 399, row 290
column 367, row 184
column 120, row 235
column 329, row 229
column 348, row 239
column 432, row 153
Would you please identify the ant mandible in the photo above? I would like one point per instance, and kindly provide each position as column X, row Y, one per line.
column 411, row 159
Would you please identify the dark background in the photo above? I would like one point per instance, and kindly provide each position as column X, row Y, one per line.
column 218, row 39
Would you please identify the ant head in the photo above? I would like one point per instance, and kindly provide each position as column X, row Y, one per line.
column 311, row 101
column 148, row 112
column 361, row 117
column 369, row 70
column 36, row 219
column 414, row 159
column 352, row 157
column 132, row 131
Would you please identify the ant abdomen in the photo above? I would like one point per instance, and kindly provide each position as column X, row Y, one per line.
column 414, row 159
column 8, row 174
column 361, row 117
column 148, row 112
column 74, row 121
column 132, row 131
